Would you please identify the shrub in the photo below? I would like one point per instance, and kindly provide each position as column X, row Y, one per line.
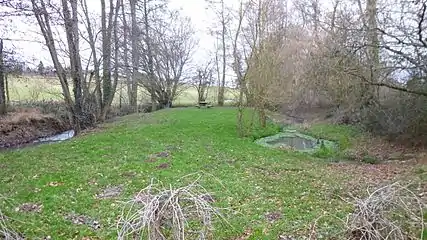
column 324, row 152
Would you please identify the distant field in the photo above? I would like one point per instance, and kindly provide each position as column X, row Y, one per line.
column 39, row 88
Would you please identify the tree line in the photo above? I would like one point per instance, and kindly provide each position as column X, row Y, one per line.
column 147, row 43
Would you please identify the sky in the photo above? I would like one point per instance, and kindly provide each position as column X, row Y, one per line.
column 196, row 9
column 31, row 46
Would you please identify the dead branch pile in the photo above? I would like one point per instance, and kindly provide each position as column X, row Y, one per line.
column 6, row 231
column 392, row 212
column 159, row 212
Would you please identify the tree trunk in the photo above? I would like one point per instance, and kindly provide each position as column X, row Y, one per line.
column 125, row 54
column 218, row 73
column 369, row 21
column 240, row 76
column 151, row 76
column 106, row 57
column 109, row 85
column 2, row 82
column 240, row 123
column 92, row 44
column 135, row 56
column 373, row 48
column 315, row 6
column 112, row 28
column 221, row 89
column 6, row 86
column 72, row 33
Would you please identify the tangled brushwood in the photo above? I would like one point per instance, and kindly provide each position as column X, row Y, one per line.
column 6, row 231
column 158, row 213
column 392, row 212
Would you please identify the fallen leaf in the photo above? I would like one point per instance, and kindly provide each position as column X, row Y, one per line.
column 92, row 182
column 55, row 184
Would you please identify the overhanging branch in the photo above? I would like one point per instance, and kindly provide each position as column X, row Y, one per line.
column 403, row 89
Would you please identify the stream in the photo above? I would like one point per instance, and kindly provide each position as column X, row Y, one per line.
column 43, row 140
column 56, row 138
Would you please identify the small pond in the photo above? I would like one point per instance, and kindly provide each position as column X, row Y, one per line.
column 296, row 141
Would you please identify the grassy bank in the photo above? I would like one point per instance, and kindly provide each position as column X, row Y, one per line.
column 267, row 192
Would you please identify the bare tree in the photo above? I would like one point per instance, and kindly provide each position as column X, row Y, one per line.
column 171, row 46
column 44, row 20
column 50, row 17
column 107, row 29
column 2, row 82
column 221, row 11
column 203, row 80
column 91, row 39
column 239, row 71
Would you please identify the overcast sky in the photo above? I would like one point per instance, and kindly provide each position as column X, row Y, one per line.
column 36, row 51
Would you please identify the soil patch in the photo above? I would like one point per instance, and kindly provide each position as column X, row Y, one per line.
column 26, row 125
column 162, row 154
column 273, row 216
column 110, row 192
column 130, row 174
column 163, row 166
column 30, row 207
column 157, row 156
column 83, row 220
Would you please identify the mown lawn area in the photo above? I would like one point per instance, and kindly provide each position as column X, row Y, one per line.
column 267, row 192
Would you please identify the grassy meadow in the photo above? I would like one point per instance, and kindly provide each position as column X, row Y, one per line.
column 267, row 193
column 48, row 88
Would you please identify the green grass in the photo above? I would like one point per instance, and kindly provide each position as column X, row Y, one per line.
column 254, row 180
column 39, row 88
column 344, row 135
